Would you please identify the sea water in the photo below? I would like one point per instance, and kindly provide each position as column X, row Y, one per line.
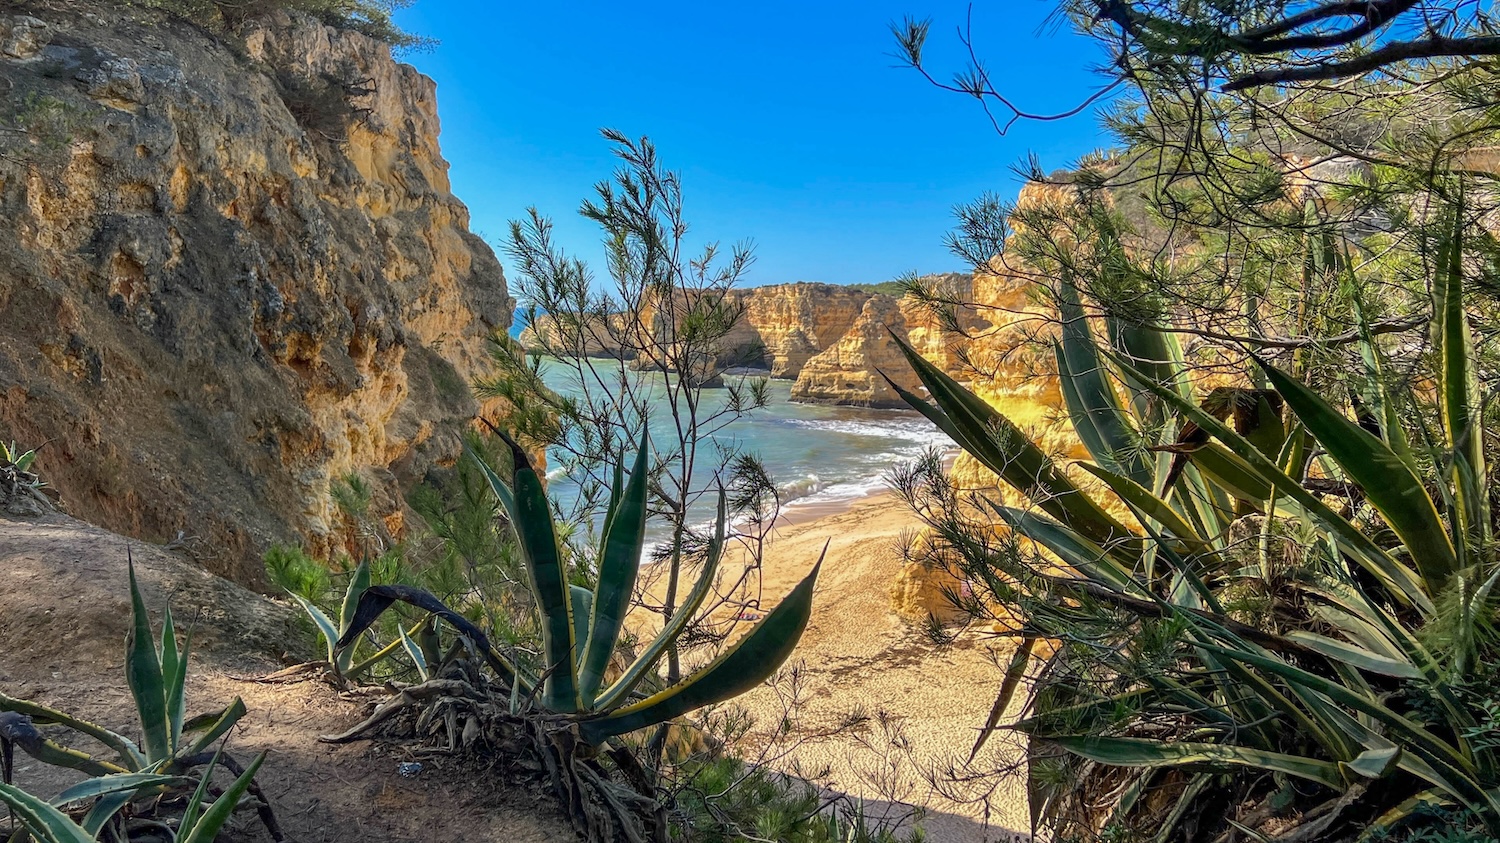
column 817, row 454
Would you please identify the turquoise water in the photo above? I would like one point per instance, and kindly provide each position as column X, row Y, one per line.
column 817, row 454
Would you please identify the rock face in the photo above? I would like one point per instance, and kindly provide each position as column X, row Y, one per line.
column 795, row 322
column 849, row 372
column 830, row 339
column 229, row 277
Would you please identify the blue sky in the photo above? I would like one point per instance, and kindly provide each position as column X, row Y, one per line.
column 789, row 121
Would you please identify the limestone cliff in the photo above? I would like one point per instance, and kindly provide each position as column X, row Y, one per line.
column 231, row 272
column 795, row 322
column 830, row 339
column 849, row 372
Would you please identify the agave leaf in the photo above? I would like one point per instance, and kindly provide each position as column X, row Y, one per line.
column 143, row 674
column 1094, row 713
column 1092, row 403
column 375, row 658
column 1089, row 559
column 1188, row 801
column 1250, row 685
column 747, row 663
column 1139, row 752
column 1232, row 474
column 104, row 809
column 1401, row 580
column 502, row 491
column 1155, row 357
column 1382, row 403
column 646, row 661
column 43, row 820
column 938, row 418
column 1148, row 505
column 174, row 664
column 226, row 720
column 378, row 598
column 583, row 601
column 1374, row 763
column 1461, row 401
column 616, row 486
column 129, row 783
column 194, row 808
column 1004, row 449
column 129, row 753
column 619, row 563
column 1014, row 673
column 415, row 654
column 206, row 828
column 358, row 582
column 536, row 540
column 1381, row 828
column 20, row 730
column 1390, row 484
column 1456, row 771
column 325, row 624
column 1356, row 656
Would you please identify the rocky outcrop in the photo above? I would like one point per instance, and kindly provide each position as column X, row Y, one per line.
column 795, row 322
column 832, row 340
column 593, row 338
column 849, row 372
column 229, row 277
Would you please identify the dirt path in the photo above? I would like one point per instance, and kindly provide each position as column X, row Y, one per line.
column 63, row 615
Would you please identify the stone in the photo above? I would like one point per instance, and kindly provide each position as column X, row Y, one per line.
column 850, row 371
column 22, row 36
column 211, row 310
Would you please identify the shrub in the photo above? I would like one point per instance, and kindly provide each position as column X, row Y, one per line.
column 1345, row 689
column 164, row 778
column 568, row 708
column 370, row 17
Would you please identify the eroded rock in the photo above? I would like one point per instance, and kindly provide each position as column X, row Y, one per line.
column 229, row 279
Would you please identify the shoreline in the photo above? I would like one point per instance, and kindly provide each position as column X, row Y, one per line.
column 875, row 700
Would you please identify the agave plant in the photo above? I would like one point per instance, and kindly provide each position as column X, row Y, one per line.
column 581, row 628
column 47, row 822
column 340, row 659
column 570, row 709
column 18, row 480
column 172, row 751
column 1346, row 693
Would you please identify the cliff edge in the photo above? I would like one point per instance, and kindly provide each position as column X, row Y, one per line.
column 232, row 272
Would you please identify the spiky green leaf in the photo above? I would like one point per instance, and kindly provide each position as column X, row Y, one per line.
column 206, row 828
column 1139, row 752
column 619, row 564
column 1401, row 580
column 742, row 666
column 531, row 519
column 647, row 660
column 46, row 822
column 113, row 783
column 1004, row 448
column 143, row 675
column 1390, row 484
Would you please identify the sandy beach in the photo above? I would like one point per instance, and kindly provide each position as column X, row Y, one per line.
column 877, row 702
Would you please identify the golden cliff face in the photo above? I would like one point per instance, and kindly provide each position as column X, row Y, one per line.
column 795, row 322
column 849, row 372
column 230, row 278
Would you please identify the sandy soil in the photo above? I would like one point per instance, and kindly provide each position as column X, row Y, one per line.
column 877, row 703
column 876, row 708
column 63, row 614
